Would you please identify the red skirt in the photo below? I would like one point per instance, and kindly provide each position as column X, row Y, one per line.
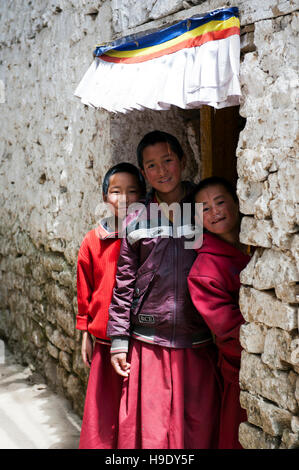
column 171, row 400
column 100, row 418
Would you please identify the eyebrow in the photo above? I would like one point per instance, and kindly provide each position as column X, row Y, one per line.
column 162, row 156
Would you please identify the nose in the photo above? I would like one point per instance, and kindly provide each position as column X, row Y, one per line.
column 215, row 210
column 162, row 170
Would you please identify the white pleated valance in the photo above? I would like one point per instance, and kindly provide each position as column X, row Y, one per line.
column 191, row 63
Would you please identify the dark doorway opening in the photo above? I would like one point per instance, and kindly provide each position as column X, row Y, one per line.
column 219, row 135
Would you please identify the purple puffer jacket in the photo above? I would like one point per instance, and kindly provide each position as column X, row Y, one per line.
column 151, row 300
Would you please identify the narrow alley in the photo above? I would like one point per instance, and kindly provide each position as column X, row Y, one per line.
column 31, row 415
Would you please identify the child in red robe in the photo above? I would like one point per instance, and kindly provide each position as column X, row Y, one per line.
column 214, row 284
column 159, row 343
column 123, row 184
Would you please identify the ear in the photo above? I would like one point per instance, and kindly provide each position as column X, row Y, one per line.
column 183, row 162
column 104, row 197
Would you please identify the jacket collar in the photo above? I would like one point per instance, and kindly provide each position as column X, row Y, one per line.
column 105, row 230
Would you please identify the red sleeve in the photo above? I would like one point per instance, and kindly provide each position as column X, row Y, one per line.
column 217, row 306
column 84, row 286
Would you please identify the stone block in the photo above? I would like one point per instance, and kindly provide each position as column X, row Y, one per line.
column 272, row 419
column 278, row 349
column 246, row 276
column 252, row 166
column 52, row 350
column 295, row 424
column 275, row 385
column 256, row 232
column 264, row 307
column 252, row 337
column 38, row 337
column 66, row 320
column 251, row 437
column 290, row 439
column 248, row 193
column 60, row 340
column 273, row 268
column 58, row 295
column 65, row 360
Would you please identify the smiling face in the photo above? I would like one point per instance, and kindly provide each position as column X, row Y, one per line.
column 123, row 190
column 220, row 211
column 163, row 169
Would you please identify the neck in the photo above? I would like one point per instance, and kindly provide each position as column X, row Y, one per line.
column 232, row 237
column 174, row 196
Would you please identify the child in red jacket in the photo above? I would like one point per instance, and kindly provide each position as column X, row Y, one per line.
column 214, row 284
column 123, row 185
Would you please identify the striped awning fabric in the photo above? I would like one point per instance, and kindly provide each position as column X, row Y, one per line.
column 191, row 63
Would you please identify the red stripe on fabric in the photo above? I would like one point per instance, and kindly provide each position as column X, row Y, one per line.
column 193, row 42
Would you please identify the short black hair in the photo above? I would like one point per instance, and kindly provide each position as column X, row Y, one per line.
column 214, row 181
column 124, row 167
column 155, row 137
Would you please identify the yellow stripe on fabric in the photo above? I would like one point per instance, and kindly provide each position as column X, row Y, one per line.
column 206, row 28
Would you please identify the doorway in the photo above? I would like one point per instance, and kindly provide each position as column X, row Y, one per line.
column 219, row 134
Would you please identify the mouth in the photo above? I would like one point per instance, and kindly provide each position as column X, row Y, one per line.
column 164, row 180
column 218, row 220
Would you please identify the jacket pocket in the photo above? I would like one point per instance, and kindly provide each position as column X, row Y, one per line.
column 141, row 288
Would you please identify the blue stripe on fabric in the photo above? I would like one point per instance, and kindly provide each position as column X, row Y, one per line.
column 131, row 43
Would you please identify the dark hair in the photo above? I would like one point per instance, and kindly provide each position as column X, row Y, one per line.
column 213, row 181
column 156, row 137
column 124, row 167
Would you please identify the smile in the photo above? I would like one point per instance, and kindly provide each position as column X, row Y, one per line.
column 165, row 180
column 218, row 220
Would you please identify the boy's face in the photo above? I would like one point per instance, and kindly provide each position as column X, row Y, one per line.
column 123, row 190
column 162, row 168
column 220, row 211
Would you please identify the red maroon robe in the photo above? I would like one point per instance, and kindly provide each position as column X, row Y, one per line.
column 96, row 269
column 214, row 283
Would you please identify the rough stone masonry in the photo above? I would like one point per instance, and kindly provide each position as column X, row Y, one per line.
column 54, row 152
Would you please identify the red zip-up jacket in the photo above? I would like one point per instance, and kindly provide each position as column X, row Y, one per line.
column 96, row 270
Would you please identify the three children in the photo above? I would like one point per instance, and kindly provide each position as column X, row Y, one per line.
column 163, row 389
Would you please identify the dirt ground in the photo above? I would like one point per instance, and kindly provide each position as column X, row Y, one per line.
column 31, row 415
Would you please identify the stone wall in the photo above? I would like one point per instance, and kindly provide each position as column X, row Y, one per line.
column 268, row 193
column 54, row 152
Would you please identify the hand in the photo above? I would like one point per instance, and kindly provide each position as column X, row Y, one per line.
column 86, row 348
column 120, row 364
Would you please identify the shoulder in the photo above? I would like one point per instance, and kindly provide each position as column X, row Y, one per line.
column 209, row 266
column 89, row 243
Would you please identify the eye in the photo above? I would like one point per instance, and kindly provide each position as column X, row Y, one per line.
column 220, row 202
column 205, row 209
